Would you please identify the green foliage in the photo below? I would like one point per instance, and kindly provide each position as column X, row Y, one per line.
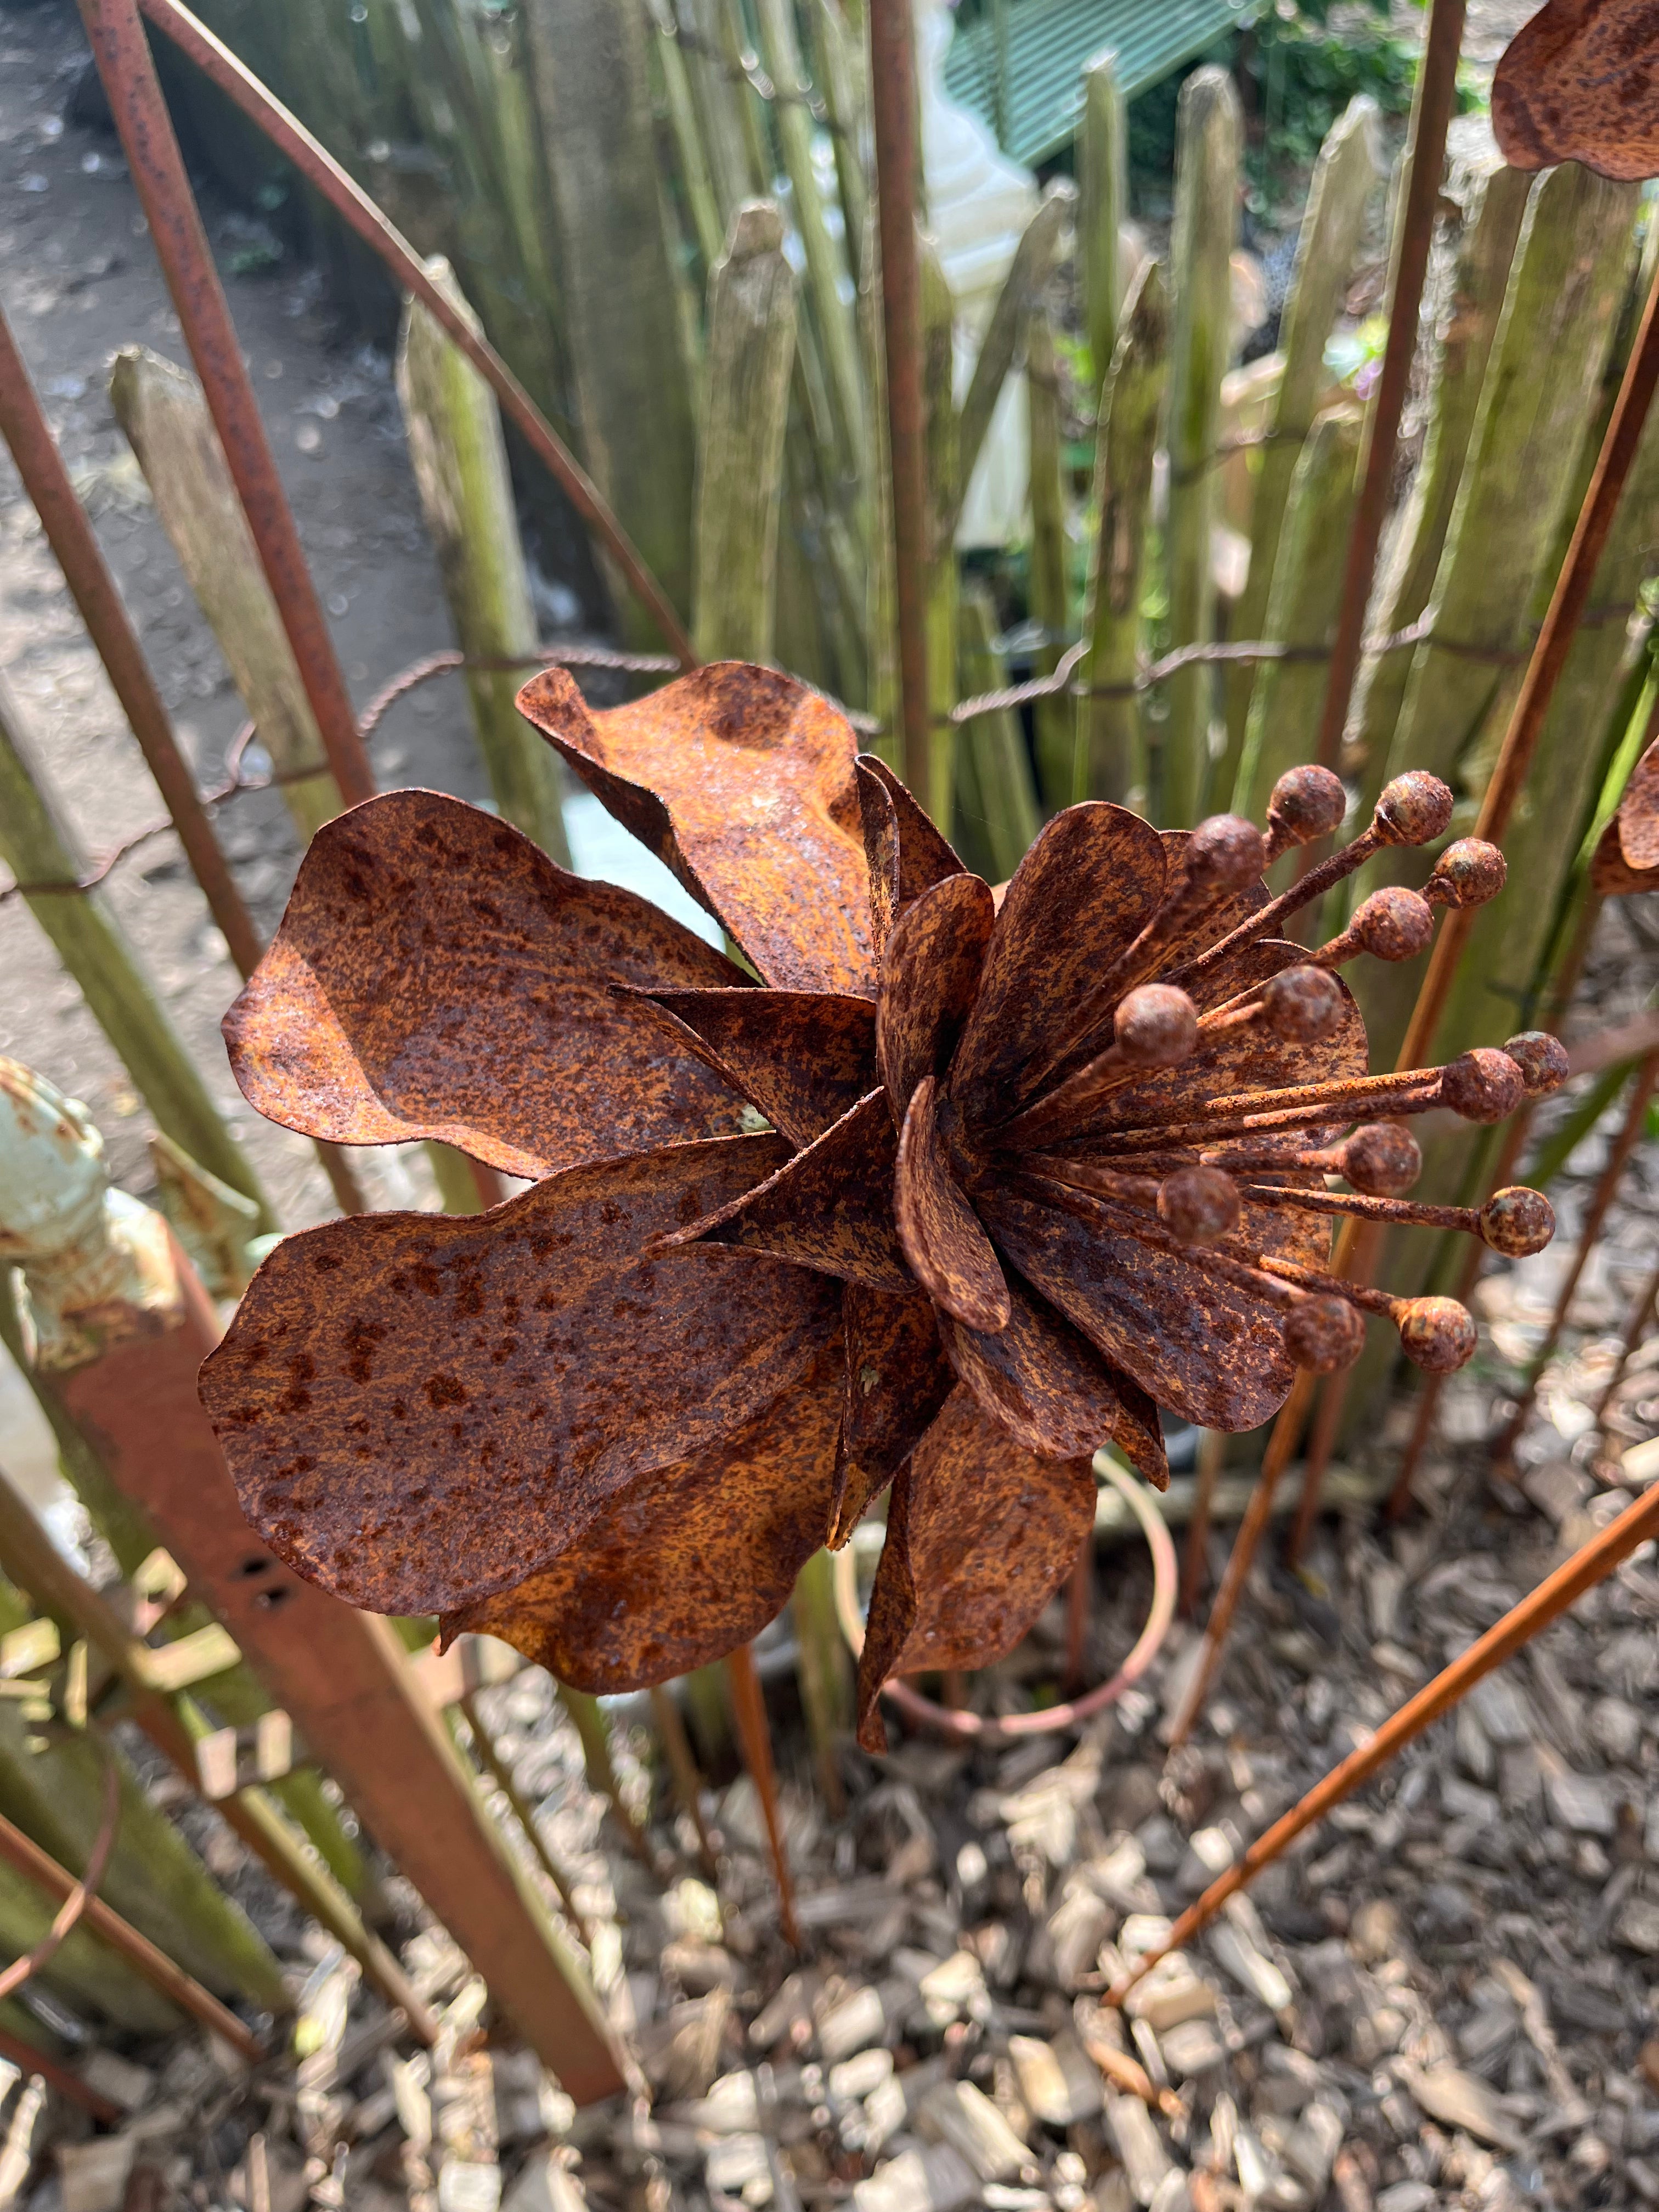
column 1305, row 74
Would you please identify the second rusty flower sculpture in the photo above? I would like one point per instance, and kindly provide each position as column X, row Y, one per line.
column 960, row 1191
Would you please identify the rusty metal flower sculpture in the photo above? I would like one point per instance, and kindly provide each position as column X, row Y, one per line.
column 958, row 1191
column 1578, row 83
column 1627, row 855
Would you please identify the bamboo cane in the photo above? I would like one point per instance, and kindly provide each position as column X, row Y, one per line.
column 459, row 460
column 37, row 846
column 1126, row 441
column 1207, row 147
column 751, row 349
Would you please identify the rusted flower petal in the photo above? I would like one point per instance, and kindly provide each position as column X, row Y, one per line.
column 741, row 780
column 905, row 852
column 803, row 1057
column 436, row 976
column 1045, row 1383
column 418, row 1409
column 1080, row 896
column 1207, row 1350
column 1638, row 813
column 980, row 1533
column 1139, row 1435
column 1577, row 83
column 684, row 1564
column 830, row 1207
column 950, row 1255
column 897, row 1378
column 930, row 970
column 1251, row 1059
column 1611, row 874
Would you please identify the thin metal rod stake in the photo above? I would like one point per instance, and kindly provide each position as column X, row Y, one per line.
column 755, row 1734
column 1588, row 1565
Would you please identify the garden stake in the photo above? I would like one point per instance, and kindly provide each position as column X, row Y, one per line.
column 1588, row 1565
column 29, row 2061
column 1630, row 1135
column 1425, row 157
column 1079, row 1588
column 683, row 1766
column 489, row 1752
column 754, row 1733
column 1640, row 1315
column 18, row 1850
column 1566, row 608
column 321, row 171
column 74, row 546
column 893, row 107
column 128, row 73
column 1194, row 1565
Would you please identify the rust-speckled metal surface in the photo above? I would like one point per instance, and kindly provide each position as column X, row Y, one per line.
column 683, row 1564
column 742, row 780
column 1638, row 814
column 979, row 1533
column 986, row 1217
column 419, row 1408
column 436, row 974
column 1579, row 81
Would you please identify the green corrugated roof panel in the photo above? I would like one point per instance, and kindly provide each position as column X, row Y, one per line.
column 1048, row 41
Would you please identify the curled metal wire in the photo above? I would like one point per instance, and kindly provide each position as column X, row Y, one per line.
column 84, row 1891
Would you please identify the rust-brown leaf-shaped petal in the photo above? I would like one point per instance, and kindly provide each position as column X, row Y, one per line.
column 930, row 971
column 436, row 976
column 905, row 852
column 980, row 1533
column 950, row 1255
column 830, row 1207
column 1139, row 1435
column 898, row 1377
column 804, row 1057
column 1578, row 83
column 1208, row 1351
column 1080, row 896
column 1638, row 814
column 1038, row 1377
column 1611, row 874
column 418, row 1409
column 741, row 780
column 686, row 1562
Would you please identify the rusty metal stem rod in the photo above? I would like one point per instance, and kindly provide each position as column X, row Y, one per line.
column 1549, row 654
column 20, row 1851
column 755, row 1734
column 46, row 480
column 893, row 107
column 1588, row 1565
column 128, row 72
column 1640, row 1315
column 1642, row 1090
column 354, row 206
column 1425, row 157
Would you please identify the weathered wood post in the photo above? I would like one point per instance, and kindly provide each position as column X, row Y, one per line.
column 1103, row 202
column 459, row 459
column 40, row 852
column 750, row 353
column 943, row 476
column 999, row 801
column 165, row 416
column 1056, row 717
column 121, row 1325
column 1208, row 132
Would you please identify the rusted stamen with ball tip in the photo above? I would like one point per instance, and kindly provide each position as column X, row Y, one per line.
column 934, row 1196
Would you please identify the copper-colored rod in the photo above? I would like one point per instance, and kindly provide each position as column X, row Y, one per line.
column 1588, row 1565
column 140, row 112
column 1437, row 93
column 1647, row 1076
column 74, row 547
column 28, row 2060
column 893, row 112
column 319, row 169
column 683, row 1766
column 46, row 479
column 749, row 1711
column 1194, row 1565
column 20, row 1851
column 1549, row 654
column 1322, row 1441
column 1641, row 1314
column 1287, row 1431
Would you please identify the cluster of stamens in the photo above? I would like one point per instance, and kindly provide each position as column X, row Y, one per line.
column 1184, row 1185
